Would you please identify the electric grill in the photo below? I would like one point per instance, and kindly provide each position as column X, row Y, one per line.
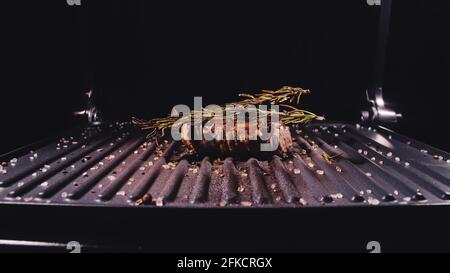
column 116, row 166
column 108, row 187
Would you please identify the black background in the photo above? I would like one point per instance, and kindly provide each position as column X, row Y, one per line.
column 143, row 57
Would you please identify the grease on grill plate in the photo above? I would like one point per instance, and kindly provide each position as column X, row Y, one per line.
column 330, row 165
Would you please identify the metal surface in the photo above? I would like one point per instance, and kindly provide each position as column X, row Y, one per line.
column 91, row 112
column 114, row 166
column 382, row 43
column 378, row 112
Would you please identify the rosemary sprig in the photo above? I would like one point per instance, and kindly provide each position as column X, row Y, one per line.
column 289, row 115
column 298, row 116
column 330, row 159
column 285, row 94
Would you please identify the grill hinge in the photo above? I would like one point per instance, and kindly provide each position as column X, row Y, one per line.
column 378, row 111
column 91, row 112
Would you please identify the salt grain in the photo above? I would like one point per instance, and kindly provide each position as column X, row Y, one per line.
column 121, row 193
column 337, row 196
column 297, row 171
column 389, row 154
column 311, row 165
column 303, row 202
column 246, row 203
column 372, row 201
column 45, row 184
column 369, row 174
column 397, row 159
column 111, row 177
column 64, row 195
column 159, row 202
column 407, row 164
column 274, row 188
column 320, row 172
